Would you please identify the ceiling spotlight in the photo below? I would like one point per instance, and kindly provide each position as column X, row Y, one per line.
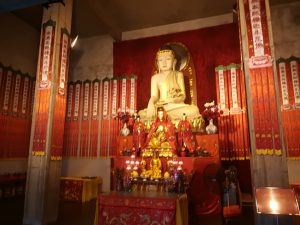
column 73, row 42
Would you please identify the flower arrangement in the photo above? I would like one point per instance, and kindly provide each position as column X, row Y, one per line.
column 211, row 111
column 126, row 117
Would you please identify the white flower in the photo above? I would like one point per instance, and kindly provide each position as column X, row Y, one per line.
column 209, row 104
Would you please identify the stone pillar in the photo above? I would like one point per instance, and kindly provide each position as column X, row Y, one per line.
column 268, row 156
column 46, row 142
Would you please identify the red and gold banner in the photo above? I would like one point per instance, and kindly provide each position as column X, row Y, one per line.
column 96, row 88
column 222, row 97
column 68, row 121
column 133, row 94
column 15, row 117
column 6, row 111
column 43, row 92
column 97, row 115
column 15, row 120
column 60, row 97
column 265, row 115
column 26, row 111
column 2, row 117
column 257, row 32
column 114, row 123
column 233, row 126
column 105, row 117
column 76, row 118
column 288, row 78
column 85, row 119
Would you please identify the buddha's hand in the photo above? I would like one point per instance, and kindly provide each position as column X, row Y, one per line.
column 163, row 102
column 150, row 111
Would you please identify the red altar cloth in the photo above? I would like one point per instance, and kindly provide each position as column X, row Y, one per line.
column 140, row 208
column 209, row 142
column 80, row 189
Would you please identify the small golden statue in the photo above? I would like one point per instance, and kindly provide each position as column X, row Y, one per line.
column 155, row 166
column 144, row 173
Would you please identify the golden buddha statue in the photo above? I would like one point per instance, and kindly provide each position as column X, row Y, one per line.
column 144, row 173
column 168, row 90
column 155, row 166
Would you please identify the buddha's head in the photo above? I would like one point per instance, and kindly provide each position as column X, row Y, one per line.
column 165, row 59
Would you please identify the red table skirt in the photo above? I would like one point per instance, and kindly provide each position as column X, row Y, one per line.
column 137, row 208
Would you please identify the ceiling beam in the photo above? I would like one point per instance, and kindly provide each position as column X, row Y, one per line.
column 103, row 15
column 11, row 5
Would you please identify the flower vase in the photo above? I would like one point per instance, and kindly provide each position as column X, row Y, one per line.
column 211, row 128
column 125, row 130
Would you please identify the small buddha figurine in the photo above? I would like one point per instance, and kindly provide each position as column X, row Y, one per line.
column 144, row 173
column 168, row 90
column 155, row 166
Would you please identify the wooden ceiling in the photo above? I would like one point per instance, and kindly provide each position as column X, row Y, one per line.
column 112, row 17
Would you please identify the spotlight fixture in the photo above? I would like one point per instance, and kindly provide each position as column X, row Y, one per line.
column 73, row 42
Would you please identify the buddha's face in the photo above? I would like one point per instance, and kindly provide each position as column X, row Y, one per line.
column 165, row 60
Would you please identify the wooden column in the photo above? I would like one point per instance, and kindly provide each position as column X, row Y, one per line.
column 268, row 156
column 46, row 142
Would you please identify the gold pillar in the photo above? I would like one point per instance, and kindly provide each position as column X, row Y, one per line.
column 46, row 141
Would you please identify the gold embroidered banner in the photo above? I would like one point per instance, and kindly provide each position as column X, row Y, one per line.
column 15, row 113
column 265, row 115
column 93, row 106
column 288, row 71
column 233, row 125
column 43, row 92
column 68, row 121
column 60, row 97
column 94, row 144
column 114, row 124
column 85, row 120
column 105, row 117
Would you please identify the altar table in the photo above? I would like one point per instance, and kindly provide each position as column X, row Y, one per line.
column 142, row 208
column 296, row 187
column 81, row 189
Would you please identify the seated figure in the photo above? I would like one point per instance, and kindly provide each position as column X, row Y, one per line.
column 161, row 134
column 168, row 90
column 155, row 166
